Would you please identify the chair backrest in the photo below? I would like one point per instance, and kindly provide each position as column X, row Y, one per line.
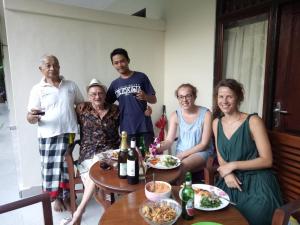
column 46, row 204
column 286, row 163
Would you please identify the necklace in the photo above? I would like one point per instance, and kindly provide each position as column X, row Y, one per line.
column 229, row 123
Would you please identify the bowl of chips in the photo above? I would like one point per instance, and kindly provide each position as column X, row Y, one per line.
column 162, row 212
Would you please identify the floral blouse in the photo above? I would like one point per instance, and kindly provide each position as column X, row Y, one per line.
column 96, row 134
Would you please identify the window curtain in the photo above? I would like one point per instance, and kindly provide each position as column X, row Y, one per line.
column 244, row 60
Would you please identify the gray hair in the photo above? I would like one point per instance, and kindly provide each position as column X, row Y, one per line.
column 47, row 56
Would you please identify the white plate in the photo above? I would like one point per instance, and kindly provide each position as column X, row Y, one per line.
column 109, row 154
column 160, row 165
column 210, row 188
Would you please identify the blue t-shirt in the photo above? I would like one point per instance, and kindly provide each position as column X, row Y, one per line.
column 132, row 117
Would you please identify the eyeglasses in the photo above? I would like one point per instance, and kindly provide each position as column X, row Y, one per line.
column 182, row 97
column 93, row 95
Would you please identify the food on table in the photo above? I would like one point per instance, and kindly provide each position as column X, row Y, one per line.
column 158, row 187
column 208, row 202
column 202, row 192
column 164, row 161
column 115, row 154
column 154, row 161
column 169, row 161
column 159, row 213
column 160, row 191
column 207, row 199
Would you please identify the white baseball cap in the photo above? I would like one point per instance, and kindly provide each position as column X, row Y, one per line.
column 95, row 82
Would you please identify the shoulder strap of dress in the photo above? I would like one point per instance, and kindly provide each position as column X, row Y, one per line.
column 252, row 114
column 202, row 112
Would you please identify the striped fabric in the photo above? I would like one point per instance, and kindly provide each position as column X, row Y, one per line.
column 53, row 166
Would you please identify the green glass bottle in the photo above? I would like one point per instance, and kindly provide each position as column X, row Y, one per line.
column 142, row 147
column 187, row 198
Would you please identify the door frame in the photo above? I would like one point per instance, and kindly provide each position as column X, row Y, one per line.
column 233, row 10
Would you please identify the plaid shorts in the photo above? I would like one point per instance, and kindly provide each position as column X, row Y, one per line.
column 53, row 166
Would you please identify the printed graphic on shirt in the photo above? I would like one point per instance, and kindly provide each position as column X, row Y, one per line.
column 127, row 90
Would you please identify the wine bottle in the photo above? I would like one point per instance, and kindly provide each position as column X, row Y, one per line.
column 187, row 198
column 122, row 157
column 132, row 163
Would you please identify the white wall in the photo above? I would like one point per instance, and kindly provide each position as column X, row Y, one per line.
column 189, row 49
column 82, row 39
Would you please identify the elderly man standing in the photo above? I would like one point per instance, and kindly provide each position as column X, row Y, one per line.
column 52, row 106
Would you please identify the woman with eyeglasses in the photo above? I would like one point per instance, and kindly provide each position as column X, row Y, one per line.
column 194, row 144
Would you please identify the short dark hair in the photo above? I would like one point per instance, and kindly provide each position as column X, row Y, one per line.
column 119, row 51
column 232, row 84
column 187, row 85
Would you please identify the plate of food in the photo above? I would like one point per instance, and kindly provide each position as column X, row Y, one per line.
column 208, row 197
column 115, row 154
column 110, row 154
column 163, row 162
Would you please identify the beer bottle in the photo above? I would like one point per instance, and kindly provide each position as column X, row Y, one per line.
column 122, row 157
column 142, row 147
column 132, row 163
column 188, row 198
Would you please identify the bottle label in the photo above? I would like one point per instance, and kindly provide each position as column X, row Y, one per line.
column 131, row 168
column 188, row 183
column 123, row 169
column 190, row 207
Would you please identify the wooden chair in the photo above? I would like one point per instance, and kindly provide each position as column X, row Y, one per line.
column 46, row 204
column 282, row 215
column 286, row 158
column 74, row 176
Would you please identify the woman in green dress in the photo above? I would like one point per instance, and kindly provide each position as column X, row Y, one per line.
column 245, row 156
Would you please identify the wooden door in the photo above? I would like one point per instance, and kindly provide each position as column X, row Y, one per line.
column 285, row 134
column 287, row 88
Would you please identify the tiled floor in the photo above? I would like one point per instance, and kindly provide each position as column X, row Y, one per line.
column 9, row 191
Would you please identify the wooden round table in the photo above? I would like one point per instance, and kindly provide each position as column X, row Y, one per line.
column 126, row 211
column 109, row 181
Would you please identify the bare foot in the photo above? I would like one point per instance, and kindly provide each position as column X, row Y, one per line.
column 67, row 204
column 58, row 205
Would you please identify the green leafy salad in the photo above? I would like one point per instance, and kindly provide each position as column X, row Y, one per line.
column 208, row 202
column 169, row 161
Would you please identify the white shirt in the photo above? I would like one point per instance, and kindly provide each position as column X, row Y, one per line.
column 59, row 103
